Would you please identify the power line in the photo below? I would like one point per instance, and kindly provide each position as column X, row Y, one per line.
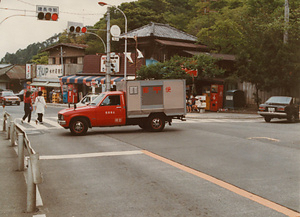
column 26, row 2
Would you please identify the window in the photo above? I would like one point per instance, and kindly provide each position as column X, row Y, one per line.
column 111, row 100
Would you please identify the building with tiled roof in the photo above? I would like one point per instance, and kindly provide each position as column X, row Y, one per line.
column 160, row 42
column 12, row 77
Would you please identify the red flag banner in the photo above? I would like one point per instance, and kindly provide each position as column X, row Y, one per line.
column 191, row 72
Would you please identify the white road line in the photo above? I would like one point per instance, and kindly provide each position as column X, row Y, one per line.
column 267, row 138
column 87, row 155
column 54, row 123
column 34, row 126
column 206, row 120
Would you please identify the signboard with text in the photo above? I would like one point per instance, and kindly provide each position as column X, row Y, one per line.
column 28, row 71
column 49, row 71
column 115, row 62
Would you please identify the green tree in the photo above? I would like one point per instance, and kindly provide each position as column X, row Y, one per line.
column 263, row 59
column 174, row 69
column 40, row 58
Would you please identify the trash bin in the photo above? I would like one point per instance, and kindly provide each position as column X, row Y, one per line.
column 235, row 99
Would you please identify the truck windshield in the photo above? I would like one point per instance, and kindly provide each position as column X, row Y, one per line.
column 98, row 99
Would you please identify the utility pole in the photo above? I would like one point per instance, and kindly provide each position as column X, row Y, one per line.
column 286, row 21
column 62, row 60
column 108, row 71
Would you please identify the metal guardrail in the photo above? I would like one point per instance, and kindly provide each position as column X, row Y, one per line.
column 19, row 138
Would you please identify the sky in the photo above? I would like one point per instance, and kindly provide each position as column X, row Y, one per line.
column 19, row 26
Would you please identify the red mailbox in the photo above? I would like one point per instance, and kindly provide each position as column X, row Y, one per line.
column 72, row 94
column 216, row 97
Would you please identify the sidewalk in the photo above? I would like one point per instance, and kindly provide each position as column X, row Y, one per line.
column 12, row 182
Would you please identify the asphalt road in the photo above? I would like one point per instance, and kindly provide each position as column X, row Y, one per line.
column 201, row 167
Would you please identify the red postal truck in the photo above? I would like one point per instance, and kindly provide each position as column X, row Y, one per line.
column 147, row 103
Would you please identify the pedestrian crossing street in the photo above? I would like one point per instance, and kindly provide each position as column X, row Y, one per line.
column 50, row 123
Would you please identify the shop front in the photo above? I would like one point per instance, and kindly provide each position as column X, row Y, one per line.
column 47, row 81
column 76, row 86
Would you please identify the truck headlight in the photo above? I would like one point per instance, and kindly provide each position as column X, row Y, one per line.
column 60, row 117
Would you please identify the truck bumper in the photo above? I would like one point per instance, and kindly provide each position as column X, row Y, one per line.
column 61, row 122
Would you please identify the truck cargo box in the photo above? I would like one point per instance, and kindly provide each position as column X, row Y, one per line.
column 147, row 96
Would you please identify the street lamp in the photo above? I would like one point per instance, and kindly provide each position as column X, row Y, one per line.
column 125, row 50
column 107, row 74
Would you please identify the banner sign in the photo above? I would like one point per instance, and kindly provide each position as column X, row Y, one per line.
column 28, row 71
column 49, row 71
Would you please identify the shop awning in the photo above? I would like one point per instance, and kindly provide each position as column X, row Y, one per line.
column 45, row 84
column 74, row 79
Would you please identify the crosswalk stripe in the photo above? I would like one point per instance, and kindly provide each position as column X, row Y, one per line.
column 49, row 123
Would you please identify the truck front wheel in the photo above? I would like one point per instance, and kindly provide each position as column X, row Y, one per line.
column 78, row 127
column 156, row 123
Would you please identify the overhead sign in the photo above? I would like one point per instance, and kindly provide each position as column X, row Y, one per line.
column 45, row 12
column 49, row 71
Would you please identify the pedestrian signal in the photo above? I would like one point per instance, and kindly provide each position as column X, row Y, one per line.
column 49, row 13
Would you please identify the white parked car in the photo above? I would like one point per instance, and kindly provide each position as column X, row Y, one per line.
column 87, row 99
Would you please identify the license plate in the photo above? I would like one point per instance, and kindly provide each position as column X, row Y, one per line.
column 13, row 101
column 271, row 109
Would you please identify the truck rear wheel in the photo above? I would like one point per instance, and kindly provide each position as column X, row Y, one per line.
column 156, row 123
column 78, row 127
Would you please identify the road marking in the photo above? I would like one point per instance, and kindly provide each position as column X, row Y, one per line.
column 210, row 120
column 267, row 138
column 99, row 154
column 33, row 126
column 232, row 188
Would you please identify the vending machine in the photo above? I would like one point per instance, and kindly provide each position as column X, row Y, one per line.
column 65, row 93
column 72, row 93
column 216, row 97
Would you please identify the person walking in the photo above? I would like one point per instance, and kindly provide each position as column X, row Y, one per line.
column 50, row 95
column 27, row 107
column 40, row 106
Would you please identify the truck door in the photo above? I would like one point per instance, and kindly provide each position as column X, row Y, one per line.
column 111, row 111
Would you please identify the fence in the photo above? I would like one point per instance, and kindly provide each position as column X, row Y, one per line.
column 250, row 89
column 19, row 138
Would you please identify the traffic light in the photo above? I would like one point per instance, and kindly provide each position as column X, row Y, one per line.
column 112, row 68
column 76, row 28
column 49, row 13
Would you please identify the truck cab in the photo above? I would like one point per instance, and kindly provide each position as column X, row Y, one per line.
column 108, row 109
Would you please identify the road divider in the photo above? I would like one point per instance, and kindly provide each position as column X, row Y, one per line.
column 19, row 138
